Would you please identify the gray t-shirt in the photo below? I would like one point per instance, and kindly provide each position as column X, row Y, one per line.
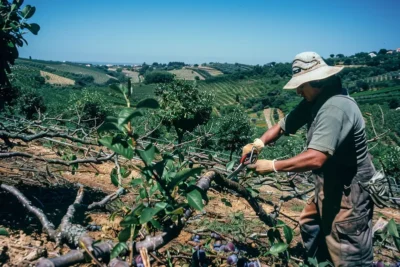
column 335, row 127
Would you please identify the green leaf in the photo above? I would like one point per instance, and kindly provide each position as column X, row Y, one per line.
column 195, row 200
column 114, row 177
column 118, row 249
column 136, row 182
column 226, row 202
column 392, row 228
column 154, row 188
column 125, row 172
column 119, row 88
column 13, row 7
column 28, row 11
column 125, row 234
column 313, row 261
column 278, row 248
column 148, row 103
column 127, row 114
column 110, row 124
column 130, row 219
column 118, row 145
column 183, row 175
column 33, row 28
column 4, row 232
column 147, row 215
column 156, row 224
column 142, row 193
column 230, row 165
column 148, row 154
column 288, row 232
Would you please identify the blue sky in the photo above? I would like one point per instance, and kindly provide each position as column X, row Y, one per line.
column 251, row 31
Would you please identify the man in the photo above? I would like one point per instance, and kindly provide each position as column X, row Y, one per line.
column 336, row 224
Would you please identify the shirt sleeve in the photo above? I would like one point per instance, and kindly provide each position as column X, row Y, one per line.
column 331, row 125
column 296, row 118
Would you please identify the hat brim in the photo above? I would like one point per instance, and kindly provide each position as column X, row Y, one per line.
column 318, row 74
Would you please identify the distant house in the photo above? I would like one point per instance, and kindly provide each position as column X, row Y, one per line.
column 88, row 65
column 398, row 50
column 372, row 55
column 389, row 52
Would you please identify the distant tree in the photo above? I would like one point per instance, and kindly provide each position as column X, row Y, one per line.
column 13, row 23
column 347, row 61
column 155, row 64
column 183, row 106
column 119, row 69
column 394, row 103
column 158, row 77
column 382, row 51
column 363, row 85
column 195, row 65
column 197, row 78
column 144, row 69
column 340, row 56
column 332, row 55
column 30, row 103
column 237, row 98
column 30, row 58
column 233, row 129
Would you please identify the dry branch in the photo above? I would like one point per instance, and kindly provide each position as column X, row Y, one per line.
column 28, row 138
column 57, row 161
column 48, row 227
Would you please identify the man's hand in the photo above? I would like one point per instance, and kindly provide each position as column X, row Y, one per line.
column 257, row 144
column 262, row 166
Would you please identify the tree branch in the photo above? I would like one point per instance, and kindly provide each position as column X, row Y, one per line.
column 56, row 161
column 28, row 138
column 48, row 227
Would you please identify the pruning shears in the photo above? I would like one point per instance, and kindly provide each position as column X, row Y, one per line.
column 249, row 158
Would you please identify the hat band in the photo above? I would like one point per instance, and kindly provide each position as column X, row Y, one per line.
column 297, row 69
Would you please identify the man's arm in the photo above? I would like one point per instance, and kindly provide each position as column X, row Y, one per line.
column 272, row 134
column 306, row 161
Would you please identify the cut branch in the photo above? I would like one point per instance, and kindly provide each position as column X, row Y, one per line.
column 28, row 138
column 57, row 161
column 48, row 227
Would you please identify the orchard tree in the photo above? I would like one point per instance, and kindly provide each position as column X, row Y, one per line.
column 183, row 106
column 233, row 129
column 13, row 23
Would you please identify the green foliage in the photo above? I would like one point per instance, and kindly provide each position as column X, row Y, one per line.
column 162, row 180
column 233, row 129
column 183, row 106
column 3, row 232
column 92, row 106
column 13, row 22
column 30, row 103
column 158, row 77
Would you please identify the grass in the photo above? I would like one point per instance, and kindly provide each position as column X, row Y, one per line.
column 99, row 76
column 132, row 74
column 56, row 79
column 297, row 207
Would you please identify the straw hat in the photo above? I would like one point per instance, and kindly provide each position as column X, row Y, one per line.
column 307, row 67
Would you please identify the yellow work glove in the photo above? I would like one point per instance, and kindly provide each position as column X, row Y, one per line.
column 257, row 144
column 263, row 166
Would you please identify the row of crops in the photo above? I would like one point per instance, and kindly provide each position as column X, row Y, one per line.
column 378, row 96
column 228, row 92
column 228, row 68
column 99, row 76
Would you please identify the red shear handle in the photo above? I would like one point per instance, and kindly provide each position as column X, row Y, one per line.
column 248, row 158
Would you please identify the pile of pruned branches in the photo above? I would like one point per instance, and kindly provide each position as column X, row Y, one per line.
column 171, row 188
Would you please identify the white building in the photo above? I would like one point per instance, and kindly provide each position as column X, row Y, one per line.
column 372, row 55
